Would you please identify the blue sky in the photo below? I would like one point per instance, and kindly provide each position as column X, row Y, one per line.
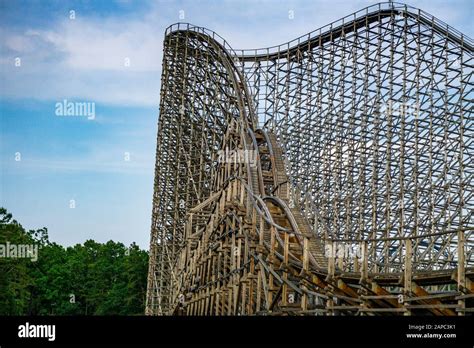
column 83, row 60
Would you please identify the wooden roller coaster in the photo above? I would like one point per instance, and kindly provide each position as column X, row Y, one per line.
column 331, row 175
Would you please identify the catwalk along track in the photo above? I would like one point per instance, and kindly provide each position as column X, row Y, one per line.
column 330, row 175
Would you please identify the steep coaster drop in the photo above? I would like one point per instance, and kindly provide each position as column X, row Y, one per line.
column 359, row 198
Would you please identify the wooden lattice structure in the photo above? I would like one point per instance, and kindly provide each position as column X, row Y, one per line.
column 329, row 175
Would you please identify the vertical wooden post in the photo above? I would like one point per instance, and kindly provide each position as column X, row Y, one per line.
column 408, row 272
column 304, row 298
column 271, row 260
column 461, row 269
column 364, row 262
column 331, row 262
column 284, row 293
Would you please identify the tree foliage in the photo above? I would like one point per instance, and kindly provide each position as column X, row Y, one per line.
column 85, row 279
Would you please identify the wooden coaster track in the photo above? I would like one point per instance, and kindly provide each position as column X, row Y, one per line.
column 287, row 184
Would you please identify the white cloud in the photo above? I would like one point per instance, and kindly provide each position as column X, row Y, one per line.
column 91, row 45
column 109, row 61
